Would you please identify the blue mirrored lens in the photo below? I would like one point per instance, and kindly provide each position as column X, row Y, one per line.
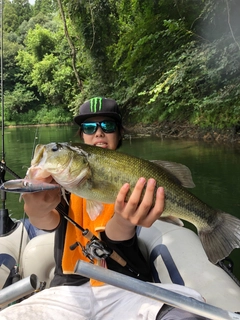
column 89, row 128
column 107, row 126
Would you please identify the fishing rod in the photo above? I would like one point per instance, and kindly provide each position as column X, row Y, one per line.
column 2, row 92
column 6, row 223
column 2, row 169
column 95, row 248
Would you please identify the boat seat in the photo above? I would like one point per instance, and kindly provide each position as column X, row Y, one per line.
column 176, row 256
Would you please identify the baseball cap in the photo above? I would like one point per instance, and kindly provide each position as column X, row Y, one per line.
column 98, row 106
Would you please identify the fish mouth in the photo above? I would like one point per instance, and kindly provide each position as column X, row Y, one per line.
column 37, row 169
column 38, row 154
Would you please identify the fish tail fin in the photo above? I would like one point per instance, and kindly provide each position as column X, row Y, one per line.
column 219, row 242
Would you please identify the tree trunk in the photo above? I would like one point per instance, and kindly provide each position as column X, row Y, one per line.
column 71, row 45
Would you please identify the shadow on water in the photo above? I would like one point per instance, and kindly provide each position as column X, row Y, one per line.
column 215, row 168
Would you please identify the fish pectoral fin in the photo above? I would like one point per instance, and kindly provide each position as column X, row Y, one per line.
column 94, row 208
column 173, row 220
column 178, row 171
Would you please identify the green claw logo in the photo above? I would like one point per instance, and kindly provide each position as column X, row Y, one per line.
column 95, row 104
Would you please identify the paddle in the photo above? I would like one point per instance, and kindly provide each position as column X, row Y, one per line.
column 18, row 290
column 152, row 291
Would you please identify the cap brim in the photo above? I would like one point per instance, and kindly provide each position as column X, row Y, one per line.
column 81, row 118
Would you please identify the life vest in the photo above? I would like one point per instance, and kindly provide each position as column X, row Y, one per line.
column 77, row 212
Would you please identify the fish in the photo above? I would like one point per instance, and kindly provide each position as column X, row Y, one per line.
column 97, row 174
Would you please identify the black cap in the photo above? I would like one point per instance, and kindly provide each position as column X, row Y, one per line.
column 98, row 106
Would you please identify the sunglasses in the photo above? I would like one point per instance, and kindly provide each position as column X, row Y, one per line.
column 107, row 126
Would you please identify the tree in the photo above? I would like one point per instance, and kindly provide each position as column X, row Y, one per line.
column 23, row 9
column 44, row 7
column 95, row 23
column 46, row 64
column 18, row 101
column 10, row 17
column 71, row 45
column 162, row 60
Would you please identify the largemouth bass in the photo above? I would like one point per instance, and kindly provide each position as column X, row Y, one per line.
column 97, row 174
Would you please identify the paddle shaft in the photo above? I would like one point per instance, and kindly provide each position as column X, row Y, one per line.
column 152, row 291
column 19, row 290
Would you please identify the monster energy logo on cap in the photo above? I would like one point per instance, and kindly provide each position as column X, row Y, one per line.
column 98, row 106
column 95, row 104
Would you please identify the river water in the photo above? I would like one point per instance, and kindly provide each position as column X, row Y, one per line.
column 215, row 168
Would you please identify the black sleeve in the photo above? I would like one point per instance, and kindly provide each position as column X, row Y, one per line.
column 129, row 250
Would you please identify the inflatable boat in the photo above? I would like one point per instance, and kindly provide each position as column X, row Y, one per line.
column 175, row 253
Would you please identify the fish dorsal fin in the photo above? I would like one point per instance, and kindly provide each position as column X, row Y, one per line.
column 177, row 170
column 94, row 208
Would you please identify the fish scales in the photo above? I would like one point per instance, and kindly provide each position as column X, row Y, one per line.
column 97, row 174
column 178, row 200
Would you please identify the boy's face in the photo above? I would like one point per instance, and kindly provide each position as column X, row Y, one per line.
column 100, row 138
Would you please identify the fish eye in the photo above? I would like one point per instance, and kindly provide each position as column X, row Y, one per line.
column 56, row 147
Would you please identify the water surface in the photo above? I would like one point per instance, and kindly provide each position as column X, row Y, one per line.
column 215, row 168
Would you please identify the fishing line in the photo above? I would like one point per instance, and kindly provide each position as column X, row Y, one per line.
column 35, row 139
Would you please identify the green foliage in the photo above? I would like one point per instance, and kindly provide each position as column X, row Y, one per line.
column 96, row 25
column 40, row 42
column 10, row 69
column 52, row 115
column 17, row 102
column 41, row 19
column 199, row 84
column 149, row 31
column 10, row 17
column 23, row 10
column 44, row 7
column 42, row 115
column 46, row 64
column 161, row 60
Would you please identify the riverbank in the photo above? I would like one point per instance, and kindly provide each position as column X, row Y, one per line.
column 175, row 130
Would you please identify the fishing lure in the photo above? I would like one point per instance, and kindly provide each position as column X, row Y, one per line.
column 27, row 185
